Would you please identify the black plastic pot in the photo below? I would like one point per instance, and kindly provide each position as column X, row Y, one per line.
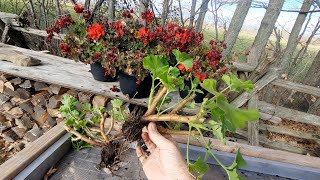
column 99, row 73
column 199, row 96
column 129, row 86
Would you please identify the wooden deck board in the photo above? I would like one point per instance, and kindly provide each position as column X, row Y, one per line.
column 67, row 73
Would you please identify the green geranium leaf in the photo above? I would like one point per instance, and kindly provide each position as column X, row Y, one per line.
column 174, row 71
column 156, row 64
column 235, row 118
column 210, row 85
column 183, row 58
column 116, row 103
column 232, row 170
column 200, row 167
column 216, row 129
column 236, row 84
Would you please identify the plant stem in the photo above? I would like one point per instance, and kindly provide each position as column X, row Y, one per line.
column 169, row 117
column 111, row 126
column 102, row 129
column 154, row 103
column 188, row 143
column 182, row 104
column 83, row 138
column 151, row 93
column 163, row 130
column 163, row 99
column 210, row 150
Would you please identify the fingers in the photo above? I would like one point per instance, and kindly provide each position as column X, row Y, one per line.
column 141, row 155
column 156, row 137
column 151, row 146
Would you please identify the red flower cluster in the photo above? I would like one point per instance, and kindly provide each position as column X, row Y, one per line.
column 78, row 8
column 119, row 27
column 201, row 75
column 127, row 14
column 96, row 31
column 215, row 54
column 148, row 16
column 144, row 35
column 63, row 22
column 183, row 68
column 65, row 48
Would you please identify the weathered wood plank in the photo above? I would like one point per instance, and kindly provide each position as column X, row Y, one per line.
column 17, row 163
column 256, row 151
column 297, row 87
column 253, row 127
column 265, row 80
column 290, row 114
column 246, row 67
column 70, row 74
column 37, row 32
column 290, row 132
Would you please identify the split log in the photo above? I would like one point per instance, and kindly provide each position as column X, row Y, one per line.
column 54, row 102
column 99, row 101
column 56, row 89
column 39, row 86
column 18, row 58
column 24, row 122
column 26, row 84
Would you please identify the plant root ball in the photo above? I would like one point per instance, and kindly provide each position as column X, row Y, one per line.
column 132, row 128
column 110, row 154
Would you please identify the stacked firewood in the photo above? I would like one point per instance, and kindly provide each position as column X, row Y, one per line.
column 28, row 109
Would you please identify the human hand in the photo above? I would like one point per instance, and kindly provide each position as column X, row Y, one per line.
column 165, row 160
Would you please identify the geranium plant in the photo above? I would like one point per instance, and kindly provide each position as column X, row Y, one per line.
column 215, row 115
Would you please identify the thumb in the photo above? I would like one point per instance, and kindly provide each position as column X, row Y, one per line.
column 156, row 137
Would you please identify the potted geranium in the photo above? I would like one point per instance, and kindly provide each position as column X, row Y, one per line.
column 215, row 116
column 90, row 42
column 208, row 63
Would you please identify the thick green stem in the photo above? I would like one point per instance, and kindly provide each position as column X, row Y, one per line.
column 209, row 149
column 188, row 143
column 151, row 93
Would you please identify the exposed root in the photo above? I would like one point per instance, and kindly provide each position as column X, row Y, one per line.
column 132, row 128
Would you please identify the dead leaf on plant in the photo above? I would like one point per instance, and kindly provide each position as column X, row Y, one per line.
column 313, row 98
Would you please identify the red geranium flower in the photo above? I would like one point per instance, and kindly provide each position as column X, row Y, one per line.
column 78, row 8
column 96, row 31
column 183, row 68
column 148, row 16
column 119, row 27
column 143, row 34
column 201, row 75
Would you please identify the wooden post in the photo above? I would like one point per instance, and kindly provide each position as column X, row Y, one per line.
column 253, row 127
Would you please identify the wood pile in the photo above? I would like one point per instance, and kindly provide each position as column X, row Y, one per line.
column 28, row 109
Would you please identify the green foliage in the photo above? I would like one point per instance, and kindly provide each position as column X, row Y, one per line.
column 232, row 169
column 78, row 115
column 236, row 84
column 200, row 166
column 210, row 86
column 183, row 58
column 79, row 144
column 234, row 118
column 159, row 69
column 117, row 111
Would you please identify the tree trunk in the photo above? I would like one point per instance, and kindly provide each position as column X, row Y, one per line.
column 236, row 25
column 202, row 14
column 192, row 12
column 96, row 8
column 313, row 76
column 58, row 7
column 165, row 10
column 265, row 30
column 111, row 10
column 294, row 36
column 181, row 15
column 87, row 4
